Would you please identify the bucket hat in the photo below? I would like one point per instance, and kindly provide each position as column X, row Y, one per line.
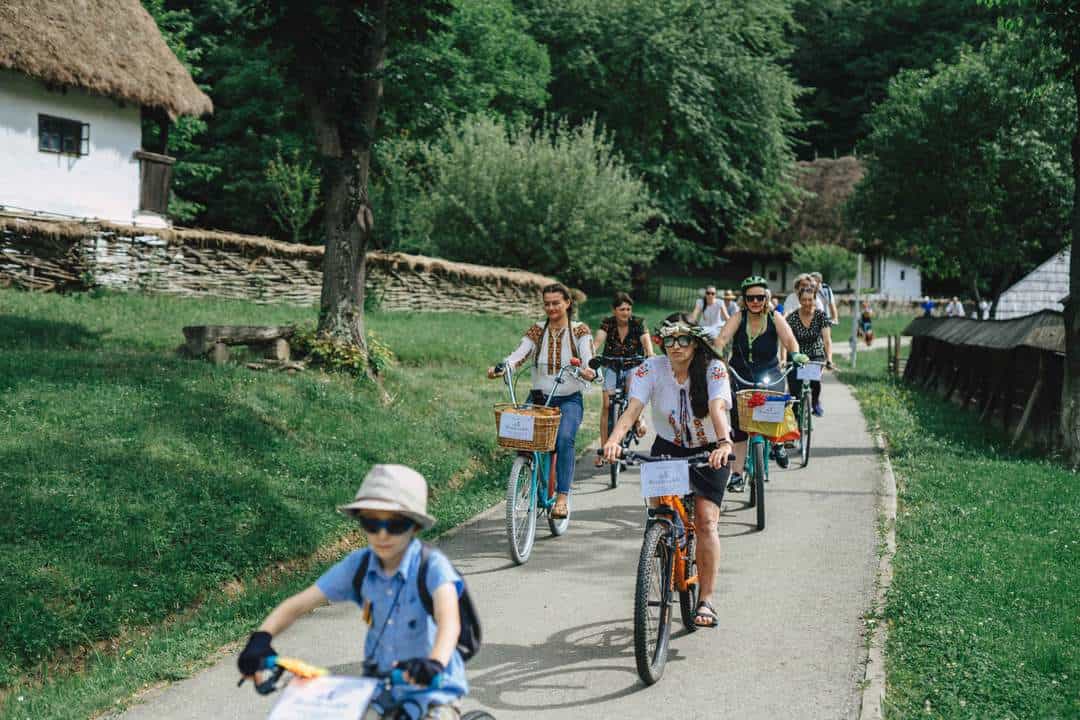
column 395, row 488
column 729, row 295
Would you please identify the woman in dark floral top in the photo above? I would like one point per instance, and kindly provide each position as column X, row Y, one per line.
column 621, row 335
column 814, row 335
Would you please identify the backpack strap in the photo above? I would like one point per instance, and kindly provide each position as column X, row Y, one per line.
column 421, row 580
column 358, row 578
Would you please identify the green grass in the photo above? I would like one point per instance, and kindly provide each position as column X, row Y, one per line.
column 144, row 494
column 983, row 615
column 888, row 325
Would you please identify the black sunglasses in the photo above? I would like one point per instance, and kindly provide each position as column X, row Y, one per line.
column 682, row 340
column 394, row 525
column 754, row 298
column 709, row 292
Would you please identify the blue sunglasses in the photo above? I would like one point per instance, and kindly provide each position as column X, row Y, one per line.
column 394, row 526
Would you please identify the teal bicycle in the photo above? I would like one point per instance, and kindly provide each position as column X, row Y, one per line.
column 759, row 447
column 530, row 487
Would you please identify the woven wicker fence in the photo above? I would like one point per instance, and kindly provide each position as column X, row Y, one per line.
column 46, row 255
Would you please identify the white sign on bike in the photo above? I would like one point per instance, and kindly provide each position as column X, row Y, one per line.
column 669, row 477
column 516, row 427
column 811, row 371
column 325, row 698
column 772, row 412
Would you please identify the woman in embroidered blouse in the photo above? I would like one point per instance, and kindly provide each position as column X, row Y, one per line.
column 621, row 335
column 553, row 344
column 690, row 397
column 814, row 335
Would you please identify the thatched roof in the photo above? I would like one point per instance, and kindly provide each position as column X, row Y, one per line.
column 107, row 47
column 66, row 231
column 816, row 215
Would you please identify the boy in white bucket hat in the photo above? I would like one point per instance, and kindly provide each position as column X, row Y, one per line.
column 391, row 506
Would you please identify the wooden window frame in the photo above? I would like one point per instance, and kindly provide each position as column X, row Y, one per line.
column 73, row 136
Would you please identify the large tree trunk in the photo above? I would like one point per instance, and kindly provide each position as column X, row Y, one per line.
column 348, row 219
column 1070, row 398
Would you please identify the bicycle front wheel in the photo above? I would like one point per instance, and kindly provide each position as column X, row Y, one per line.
column 652, row 604
column 616, row 467
column 521, row 509
column 477, row 715
column 805, row 429
column 759, row 483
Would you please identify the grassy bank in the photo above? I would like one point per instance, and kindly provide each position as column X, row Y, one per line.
column 983, row 616
column 145, row 496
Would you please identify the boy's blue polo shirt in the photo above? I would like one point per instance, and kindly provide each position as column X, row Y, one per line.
column 409, row 630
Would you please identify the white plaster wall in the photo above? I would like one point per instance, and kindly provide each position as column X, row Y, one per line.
column 103, row 184
column 898, row 280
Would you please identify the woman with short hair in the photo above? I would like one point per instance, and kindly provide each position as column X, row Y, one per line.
column 622, row 335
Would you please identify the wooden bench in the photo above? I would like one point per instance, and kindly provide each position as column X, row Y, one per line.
column 213, row 341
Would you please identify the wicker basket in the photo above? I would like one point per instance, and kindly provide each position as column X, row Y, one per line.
column 545, row 422
column 771, row 430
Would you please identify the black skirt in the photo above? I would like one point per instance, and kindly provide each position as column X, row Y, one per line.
column 706, row 482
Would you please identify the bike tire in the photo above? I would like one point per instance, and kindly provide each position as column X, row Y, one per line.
column 804, row 445
column 616, row 467
column 688, row 600
column 652, row 635
column 477, row 715
column 520, row 509
column 759, row 483
column 748, row 474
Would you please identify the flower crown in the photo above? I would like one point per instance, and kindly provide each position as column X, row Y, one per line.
column 668, row 328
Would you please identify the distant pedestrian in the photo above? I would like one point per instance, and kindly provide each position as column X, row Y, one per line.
column 731, row 302
column 866, row 323
column 984, row 309
column 927, row 306
column 828, row 300
column 955, row 308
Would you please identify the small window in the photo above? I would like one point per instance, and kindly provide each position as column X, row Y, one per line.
column 902, row 273
column 60, row 135
column 773, row 275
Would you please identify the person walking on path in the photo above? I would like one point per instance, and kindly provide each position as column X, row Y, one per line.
column 756, row 335
column 828, row 300
column 927, row 306
column 621, row 335
column 391, row 506
column 552, row 344
column 690, row 395
column 731, row 302
column 984, row 309
column 814, row 335
column 955, row 308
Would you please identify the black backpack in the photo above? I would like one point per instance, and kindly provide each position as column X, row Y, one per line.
column 469, row 640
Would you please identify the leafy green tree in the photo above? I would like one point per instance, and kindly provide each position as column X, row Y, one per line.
column 560, row 203
column 834, row 262
column 335, row 52
column 481, row 59
column 847, row 51
column 968, row 167
column 693, row 93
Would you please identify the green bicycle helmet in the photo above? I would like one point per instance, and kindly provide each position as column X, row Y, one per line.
column 753, row 281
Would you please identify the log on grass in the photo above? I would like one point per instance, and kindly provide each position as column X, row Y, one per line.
column 201, row 338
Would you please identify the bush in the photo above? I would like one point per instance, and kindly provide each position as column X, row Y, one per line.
column 338, row 356
column 835, row 263
column 559, row 202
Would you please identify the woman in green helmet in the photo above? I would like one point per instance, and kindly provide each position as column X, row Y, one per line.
column 756, row 333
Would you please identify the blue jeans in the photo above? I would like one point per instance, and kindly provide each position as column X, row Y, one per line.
column 572, row 407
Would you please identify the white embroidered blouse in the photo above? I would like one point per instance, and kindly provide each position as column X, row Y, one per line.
column 673, row 417
column 552, row 351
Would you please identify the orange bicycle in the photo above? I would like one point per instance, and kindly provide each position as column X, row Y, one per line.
column 666, row 566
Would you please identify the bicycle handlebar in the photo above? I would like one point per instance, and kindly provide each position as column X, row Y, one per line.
column 616, row 361
column 699, row 460
column 277, row 666
column 762, row 385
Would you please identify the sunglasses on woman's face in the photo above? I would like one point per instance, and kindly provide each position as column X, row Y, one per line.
column 806, row 291
column 681, row 340
column 394, row 525
column 754, row 298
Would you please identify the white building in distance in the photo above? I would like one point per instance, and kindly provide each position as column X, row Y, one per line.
column 76, row 81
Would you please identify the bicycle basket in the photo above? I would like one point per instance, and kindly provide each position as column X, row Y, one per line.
column 527, row 427
column 787, row 429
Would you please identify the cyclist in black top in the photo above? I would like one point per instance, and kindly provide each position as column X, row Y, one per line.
column 621, row 335
column 755, row 333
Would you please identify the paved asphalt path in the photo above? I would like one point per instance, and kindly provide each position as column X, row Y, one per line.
column 558, row 631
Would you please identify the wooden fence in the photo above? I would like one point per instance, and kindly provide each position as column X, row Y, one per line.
column 1010, row 372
